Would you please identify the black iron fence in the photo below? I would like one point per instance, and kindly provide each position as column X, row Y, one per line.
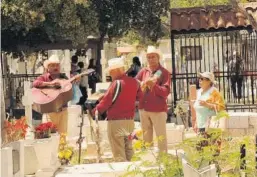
column 230, row 55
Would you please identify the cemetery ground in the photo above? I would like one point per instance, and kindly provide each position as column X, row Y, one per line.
column 230, row 151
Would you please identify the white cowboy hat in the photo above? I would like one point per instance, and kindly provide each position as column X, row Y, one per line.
column 209, row 76
column 115, row 63
column 152, row 49
column 51, row 59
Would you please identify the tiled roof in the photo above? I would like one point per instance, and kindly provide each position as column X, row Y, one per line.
column 212, row 18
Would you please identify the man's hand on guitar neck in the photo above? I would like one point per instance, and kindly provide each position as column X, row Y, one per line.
column 77, row 79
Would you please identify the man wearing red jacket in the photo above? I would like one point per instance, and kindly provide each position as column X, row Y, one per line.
column 153, row 105
column 119, row 102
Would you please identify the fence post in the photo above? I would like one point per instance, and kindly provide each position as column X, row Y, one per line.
column 173, row 69
column 243, row 154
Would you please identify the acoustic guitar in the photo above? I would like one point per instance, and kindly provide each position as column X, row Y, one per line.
column 51, row 99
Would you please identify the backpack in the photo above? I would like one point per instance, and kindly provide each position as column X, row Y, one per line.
column 93, row 77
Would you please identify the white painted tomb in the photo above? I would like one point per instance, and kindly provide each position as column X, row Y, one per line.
column 95, row 170
column 239, row 123
column 189, row 171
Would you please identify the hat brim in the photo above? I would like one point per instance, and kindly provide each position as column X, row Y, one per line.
column 47, row 62
column 114, row 67
column 154, row 53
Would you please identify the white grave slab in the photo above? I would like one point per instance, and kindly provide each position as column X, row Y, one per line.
column 102, row 86
column 74, row 119
column 189, row 171
column 6, row 162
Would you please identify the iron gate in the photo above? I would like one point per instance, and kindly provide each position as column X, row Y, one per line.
column 213, row 51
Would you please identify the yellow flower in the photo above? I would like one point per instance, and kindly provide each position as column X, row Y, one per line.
column 139, row 133
column 67, row 153
column 138, row 145
column 61, row 155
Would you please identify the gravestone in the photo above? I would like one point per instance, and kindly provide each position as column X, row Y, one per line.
column 189, row 171
column 6, row 162
column 18, row 158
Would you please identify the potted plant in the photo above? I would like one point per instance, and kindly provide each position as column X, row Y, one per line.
column 44, row 130
column 16, row 129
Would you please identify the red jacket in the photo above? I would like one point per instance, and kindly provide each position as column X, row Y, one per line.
column 155, row 100
column 124, row 106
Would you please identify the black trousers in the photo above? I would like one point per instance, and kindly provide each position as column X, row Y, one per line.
column 83, row 99
column 237, row 83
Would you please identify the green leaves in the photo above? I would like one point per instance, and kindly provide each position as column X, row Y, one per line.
column 35, row 22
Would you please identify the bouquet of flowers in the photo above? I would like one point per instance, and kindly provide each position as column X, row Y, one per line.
column 44, row 130
column 65, row 152
column 16, row 129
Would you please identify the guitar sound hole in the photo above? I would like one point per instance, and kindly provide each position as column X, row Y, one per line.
column 57, row 87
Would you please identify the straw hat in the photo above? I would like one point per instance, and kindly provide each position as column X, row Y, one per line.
column 152, row 49
column 209, row 76
column 115, row 63
column 51, row 59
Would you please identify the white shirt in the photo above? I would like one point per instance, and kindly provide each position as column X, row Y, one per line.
column 84, row 79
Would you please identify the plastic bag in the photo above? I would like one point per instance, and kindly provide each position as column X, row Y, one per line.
column 76, row 94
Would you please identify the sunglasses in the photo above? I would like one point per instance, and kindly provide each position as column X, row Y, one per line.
column 203, row 78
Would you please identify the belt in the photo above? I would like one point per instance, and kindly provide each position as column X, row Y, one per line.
column 128, row 118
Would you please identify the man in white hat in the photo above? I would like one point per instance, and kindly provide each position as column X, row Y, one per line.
column 52, row 67
column 119, row 102
column 153, row 105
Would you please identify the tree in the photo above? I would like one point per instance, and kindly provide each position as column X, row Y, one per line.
column 202, row 3
column 118, row 18
column 34, row 22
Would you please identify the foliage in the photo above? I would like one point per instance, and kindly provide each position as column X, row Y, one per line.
column 117, row 18
column 34, row 22
column 44, row 130
column 196, row 3
column 221, row 150
column 162, row 165
column 65, row 151
column 202, row 3
column 222, row 114
column 182, row 111
column 16, row 129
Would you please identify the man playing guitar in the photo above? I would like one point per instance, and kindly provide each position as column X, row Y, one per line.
column 52, row 66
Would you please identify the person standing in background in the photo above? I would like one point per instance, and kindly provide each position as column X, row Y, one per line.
column 236, row 70
column 75, row 87
column 83, row 84
column 74, row 66
column 93, row 77
column 135, row 67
